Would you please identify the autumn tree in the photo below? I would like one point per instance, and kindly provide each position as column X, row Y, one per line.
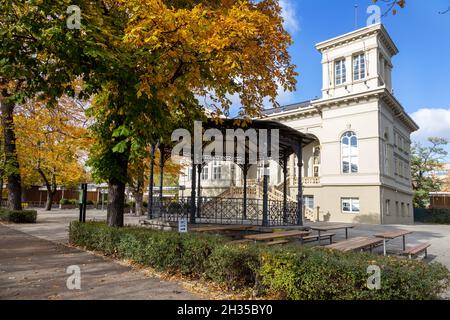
column 51, row 144
column 425, row 160
column 173, row 53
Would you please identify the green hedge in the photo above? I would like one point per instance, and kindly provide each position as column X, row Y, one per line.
column 290, row 272
column 440, row 216
column 18, row 216
column 68, row 201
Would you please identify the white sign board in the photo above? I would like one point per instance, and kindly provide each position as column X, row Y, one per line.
column 183, row 225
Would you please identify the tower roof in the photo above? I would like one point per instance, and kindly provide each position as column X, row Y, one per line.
column 359, row 34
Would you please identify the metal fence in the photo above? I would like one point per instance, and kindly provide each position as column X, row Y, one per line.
column 215, row 210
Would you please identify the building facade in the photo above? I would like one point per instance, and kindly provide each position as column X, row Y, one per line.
column 358, row 168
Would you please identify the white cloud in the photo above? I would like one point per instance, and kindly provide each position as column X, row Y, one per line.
column 432, row 123
column 291, row 23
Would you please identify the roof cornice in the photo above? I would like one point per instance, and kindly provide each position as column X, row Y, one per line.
column 399, row 112
column 359, row 34
column 317, row 106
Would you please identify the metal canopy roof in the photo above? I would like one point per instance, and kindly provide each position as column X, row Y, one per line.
column 289, row 138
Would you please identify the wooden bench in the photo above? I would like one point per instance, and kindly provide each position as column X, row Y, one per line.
column 273, row 243
column 356, row 244
column 415, row 251
column 276, row 235
column 315, row 237
column 242, row 241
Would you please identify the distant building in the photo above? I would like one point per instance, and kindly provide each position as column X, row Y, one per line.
column 441, row 199
column 443, row 174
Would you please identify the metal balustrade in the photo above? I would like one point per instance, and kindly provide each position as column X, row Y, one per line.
column 217, row 210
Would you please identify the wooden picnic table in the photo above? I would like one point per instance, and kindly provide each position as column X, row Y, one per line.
column 276, row 235
column 358, row 243
column 223, row 228
column 389, row 235
column 319, row 229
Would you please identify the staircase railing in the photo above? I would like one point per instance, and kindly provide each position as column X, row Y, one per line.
column 310, row 214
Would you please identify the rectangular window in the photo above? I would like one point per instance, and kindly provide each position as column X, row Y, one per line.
column 350, row 205
column 217, row 170
column 359, row 67
column 205, row 173
column 409, row 210
column 309, row 201
column 396, row 208
column 403, row 209
column 189, row 174
column 340, row 72
column 388, row 207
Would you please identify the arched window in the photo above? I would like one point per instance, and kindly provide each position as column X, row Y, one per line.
column 349, row 152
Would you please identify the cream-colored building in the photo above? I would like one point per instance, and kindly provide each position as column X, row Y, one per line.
column 358, row 169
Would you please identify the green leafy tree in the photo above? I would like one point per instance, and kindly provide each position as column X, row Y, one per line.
column 39, row 58
column 425, row 160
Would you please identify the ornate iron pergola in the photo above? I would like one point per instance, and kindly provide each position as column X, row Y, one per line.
column 290, row 141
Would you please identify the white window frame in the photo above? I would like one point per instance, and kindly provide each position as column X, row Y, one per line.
column 205, row 173
column 308, row 201
column 359, row 67
column 353, row 202
column 348, row 154
column 340, row 72
column 217, row 170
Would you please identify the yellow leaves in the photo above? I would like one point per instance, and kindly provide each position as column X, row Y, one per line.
column 53, row 139
column 207, row 47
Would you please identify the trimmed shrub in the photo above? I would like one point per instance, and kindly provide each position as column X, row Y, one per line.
column 68, row 201
column 308, row 273
column 18, row 216
column 164, row 251
column 234, row 265
column 289, row 272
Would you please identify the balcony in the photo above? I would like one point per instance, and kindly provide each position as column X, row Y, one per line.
column 307, row 181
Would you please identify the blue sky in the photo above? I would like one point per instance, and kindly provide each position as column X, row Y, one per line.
column 421, row 75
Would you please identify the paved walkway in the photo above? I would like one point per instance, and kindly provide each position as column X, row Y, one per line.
column 32, row 267
column 34, row 258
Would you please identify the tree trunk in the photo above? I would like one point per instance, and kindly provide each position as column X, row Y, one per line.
column 116, row 190
column 1, row 188
column 139, row 197
column 48, row 204
column 11, row 161
column 116, row 196
column 151, row 181
column 51, row 191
